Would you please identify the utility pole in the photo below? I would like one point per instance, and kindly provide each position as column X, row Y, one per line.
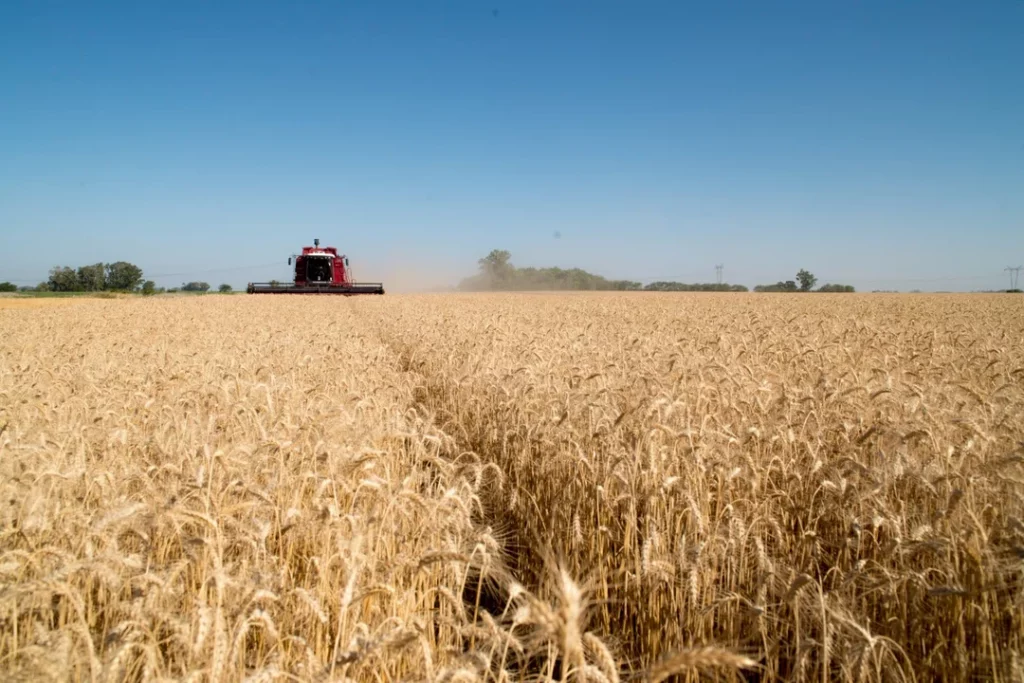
column 718, row 272
column 1014, row 275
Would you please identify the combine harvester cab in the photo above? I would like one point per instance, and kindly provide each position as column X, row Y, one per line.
column 318, row 270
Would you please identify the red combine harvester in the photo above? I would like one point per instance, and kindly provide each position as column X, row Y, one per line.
column 318, row 270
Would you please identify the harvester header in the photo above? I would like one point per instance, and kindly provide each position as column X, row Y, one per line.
column 318, row 270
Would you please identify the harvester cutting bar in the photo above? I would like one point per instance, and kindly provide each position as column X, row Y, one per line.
column 288, row 288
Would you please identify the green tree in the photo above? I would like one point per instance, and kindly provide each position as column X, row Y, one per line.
column 195, row 287
column 123, row 276
column 8, row 287
column 63, row 279
column 496, row 266
column 806, row 280
column 92, row 278
column 148, row 288
column 224, row 288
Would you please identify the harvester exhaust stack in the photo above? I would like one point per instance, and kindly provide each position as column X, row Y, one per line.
column 318, row 271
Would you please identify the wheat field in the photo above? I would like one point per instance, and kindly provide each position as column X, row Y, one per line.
column 571, row 487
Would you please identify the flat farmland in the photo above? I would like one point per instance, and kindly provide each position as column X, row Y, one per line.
column 585, row 487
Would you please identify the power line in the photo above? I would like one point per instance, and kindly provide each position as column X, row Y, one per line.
column 1014, row 275
column 214, row 270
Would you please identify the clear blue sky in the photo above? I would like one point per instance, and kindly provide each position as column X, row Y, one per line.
column 875, row 143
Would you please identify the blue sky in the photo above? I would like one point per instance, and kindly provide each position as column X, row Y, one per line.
column 879, row 144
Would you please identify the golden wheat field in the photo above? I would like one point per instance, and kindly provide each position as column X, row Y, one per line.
column 9, row 302
column 573, row 487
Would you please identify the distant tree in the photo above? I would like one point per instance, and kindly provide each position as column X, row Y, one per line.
column 92, row 278
column 195, row 287
column 123, row 276
column 806, row 280
column 274, row 283
column 496, row 267
column 224, row 288
column 148, row 288
column 8, row 287
column 63, row 279
column 835, row 288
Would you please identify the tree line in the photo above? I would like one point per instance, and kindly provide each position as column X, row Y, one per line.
column 804, row 282
column 200, row 287
column 695, row 287
column 498, row 274
column 120, row 276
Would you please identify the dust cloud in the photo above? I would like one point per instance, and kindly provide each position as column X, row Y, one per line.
column 408, row 272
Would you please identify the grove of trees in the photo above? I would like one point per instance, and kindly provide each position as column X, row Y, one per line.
column 120, row 276
column 497, row 273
